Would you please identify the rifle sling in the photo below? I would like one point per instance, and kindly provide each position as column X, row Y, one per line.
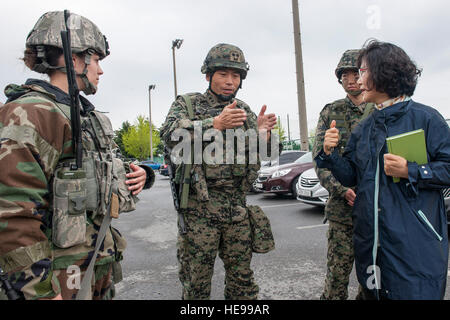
column 188, row 167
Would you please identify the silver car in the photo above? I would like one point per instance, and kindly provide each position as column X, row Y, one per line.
column 309, row 189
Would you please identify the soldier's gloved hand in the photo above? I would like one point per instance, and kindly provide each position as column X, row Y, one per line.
column 137, row 179
column 266, row 122
column 331, row 139
column 230, row 117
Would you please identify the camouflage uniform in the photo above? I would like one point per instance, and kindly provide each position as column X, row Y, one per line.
column 339, row 214
column 217, row 215
column 37, row 234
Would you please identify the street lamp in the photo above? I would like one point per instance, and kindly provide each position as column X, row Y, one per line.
column 175, row 44
column 150, row 87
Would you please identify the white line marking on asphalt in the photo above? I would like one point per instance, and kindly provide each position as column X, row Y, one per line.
column 311, row 227
column 280, row 205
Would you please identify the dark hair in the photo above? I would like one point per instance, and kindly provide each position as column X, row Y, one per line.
column 391, row 70
column 52, row 55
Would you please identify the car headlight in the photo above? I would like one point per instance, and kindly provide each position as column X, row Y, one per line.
column 281, row 173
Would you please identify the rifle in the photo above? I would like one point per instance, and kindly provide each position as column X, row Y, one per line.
column 175, row 189
column 7, row 287
column 74, row 94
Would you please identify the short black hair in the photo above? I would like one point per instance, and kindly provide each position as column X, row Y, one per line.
column 391, row 70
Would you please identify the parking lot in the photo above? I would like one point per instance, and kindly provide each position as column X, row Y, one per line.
column 295, row 270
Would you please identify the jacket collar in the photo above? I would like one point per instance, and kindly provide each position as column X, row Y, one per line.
column 54, row 93
column 394, row 112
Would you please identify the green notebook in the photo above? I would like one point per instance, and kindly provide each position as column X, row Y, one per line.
column 409, row 145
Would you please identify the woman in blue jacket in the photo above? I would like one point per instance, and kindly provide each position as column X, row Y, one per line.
column 400, row 229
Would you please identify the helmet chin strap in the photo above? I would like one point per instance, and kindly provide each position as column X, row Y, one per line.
column 354, row 92
column 89, row 87
column 222, row 97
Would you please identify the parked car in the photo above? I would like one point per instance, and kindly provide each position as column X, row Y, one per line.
column 309, row 189
column 151, row 164
column 282, row 179
column 164, row 170
column 285, row 157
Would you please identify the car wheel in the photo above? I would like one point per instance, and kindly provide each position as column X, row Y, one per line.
column 293, row 188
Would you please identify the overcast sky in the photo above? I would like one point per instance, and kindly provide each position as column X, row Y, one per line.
column 140, row 35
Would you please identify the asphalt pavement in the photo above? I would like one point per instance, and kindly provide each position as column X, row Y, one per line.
column 295, row 270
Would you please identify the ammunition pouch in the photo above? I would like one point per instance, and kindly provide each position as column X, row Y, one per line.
column 261, row 232
column 69, row 207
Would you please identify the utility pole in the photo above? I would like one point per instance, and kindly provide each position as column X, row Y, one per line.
column 175, row 44
column 150, row 118
column 289, row 130
column 303, row 121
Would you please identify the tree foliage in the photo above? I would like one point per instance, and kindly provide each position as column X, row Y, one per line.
column 136, row 140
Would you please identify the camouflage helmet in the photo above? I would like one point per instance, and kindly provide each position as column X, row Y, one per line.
column 225, row 55
column 85, row 34
column 348, row 61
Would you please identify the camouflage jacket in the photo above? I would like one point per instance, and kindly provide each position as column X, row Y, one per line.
column 347, row 116
column 217, row 191
column 35, row 139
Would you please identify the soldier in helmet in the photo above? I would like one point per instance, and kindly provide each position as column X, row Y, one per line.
column 217, row 216
column 49, row 217
column 347, row 112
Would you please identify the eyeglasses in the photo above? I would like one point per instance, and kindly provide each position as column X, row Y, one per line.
column 361, row 71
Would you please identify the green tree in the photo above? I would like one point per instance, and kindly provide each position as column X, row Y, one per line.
column 118, row 138
column 136, row 139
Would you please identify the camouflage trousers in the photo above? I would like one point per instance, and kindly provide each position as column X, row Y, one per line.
column 102, row 287
column 340, row 258
column 197, row 251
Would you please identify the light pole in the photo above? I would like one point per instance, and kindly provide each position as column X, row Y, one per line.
column 303, row 122
column 150, row 87
column 175, row 44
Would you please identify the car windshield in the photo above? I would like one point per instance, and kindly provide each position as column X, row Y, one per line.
column 306, row 158
column 288, row 157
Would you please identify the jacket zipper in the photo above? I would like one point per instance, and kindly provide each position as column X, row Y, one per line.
column 428, row 223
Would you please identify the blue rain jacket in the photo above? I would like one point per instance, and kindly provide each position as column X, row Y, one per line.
column 400, row 229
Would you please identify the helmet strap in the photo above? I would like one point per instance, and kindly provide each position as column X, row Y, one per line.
column 89, row 87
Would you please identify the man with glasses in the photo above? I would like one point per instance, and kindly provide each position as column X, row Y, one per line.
column 347, row 112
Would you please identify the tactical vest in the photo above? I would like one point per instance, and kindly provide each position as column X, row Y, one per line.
column 89, row 191
column 346, row 121
column 217, row 174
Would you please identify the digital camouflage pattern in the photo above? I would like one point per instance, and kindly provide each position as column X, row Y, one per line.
column 262, row 237
column 340, row 259
column 225, row 55
column 36, row 138
column 197, row 253
column 219, row 209
column 338, row 212
column 348, row 61
column 84, row 33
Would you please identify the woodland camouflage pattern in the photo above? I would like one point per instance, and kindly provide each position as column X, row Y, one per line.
column 217, row 201
column 36, row 138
